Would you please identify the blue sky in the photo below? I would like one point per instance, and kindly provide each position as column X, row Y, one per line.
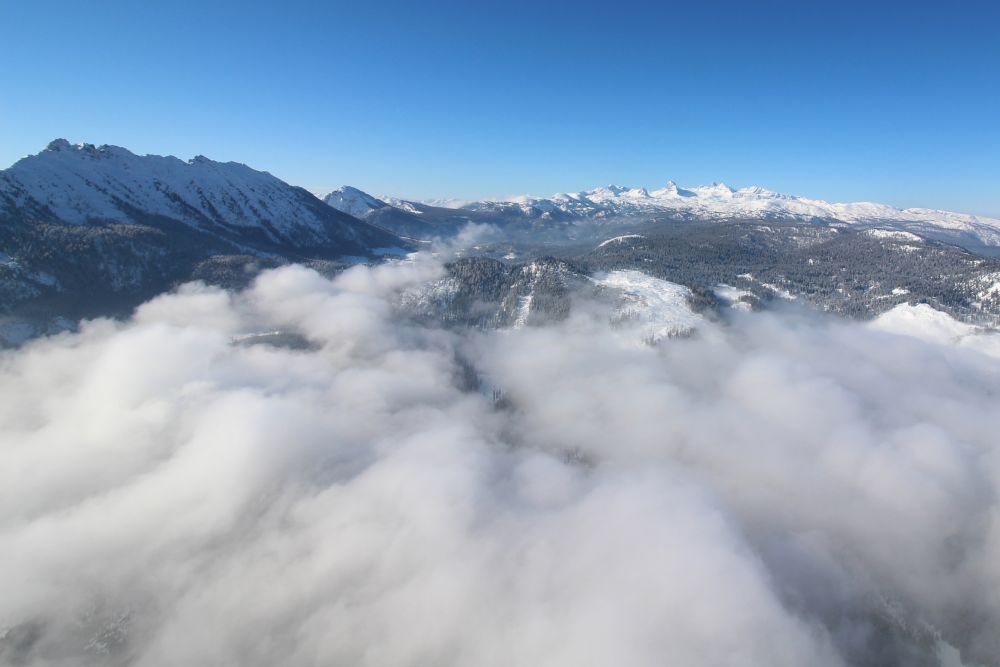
column 896, row 102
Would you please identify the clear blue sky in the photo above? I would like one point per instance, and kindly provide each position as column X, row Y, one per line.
column 888, row 101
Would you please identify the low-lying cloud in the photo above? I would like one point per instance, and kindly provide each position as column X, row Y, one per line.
column 775, row 490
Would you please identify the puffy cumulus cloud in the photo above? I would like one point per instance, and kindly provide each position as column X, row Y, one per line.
column 777, row 490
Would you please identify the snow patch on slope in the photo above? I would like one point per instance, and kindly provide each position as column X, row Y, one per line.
column 86, row 183
column 659, row 308
column 619, row 239
column 933, row 326
column 523, row 311
column 893, row 234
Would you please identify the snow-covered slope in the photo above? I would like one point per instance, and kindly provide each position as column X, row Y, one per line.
column 658, row 308
column 412, row 220
column 93, row 230
column 933, row 326
column 353, row 201
column 721, row 202
column 96, row 185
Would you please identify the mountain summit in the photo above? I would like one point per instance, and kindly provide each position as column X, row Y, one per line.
column 88, row 185
column 93, row 224
column 353, row 201
column 722, row 202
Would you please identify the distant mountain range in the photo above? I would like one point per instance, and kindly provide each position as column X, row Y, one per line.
column 94, row 230
column 714, row 202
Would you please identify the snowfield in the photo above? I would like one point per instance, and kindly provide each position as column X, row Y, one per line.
column 927, row 324
column 893, row 234
column 619, row 239
column 659, row 308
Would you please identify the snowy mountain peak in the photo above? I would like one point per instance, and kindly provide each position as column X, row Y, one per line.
column 719, row 201
column 716, row 189
column 61, row 151
column 354, row 202
column 605, row 192
column 58, row 145
column 671, row 189
column 85, row 185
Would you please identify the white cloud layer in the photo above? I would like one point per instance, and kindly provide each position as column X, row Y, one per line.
column 775, row 491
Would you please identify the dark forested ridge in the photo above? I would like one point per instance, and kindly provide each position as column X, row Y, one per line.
column 490, row 293
column 855, row 273
column 859, row 273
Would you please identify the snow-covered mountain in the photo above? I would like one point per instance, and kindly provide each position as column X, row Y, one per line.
column 91, row 185
column 655, row 308
column 417, row 220
column 721, row 202
column 353, row 201
column 614, row 203
column 88, row 230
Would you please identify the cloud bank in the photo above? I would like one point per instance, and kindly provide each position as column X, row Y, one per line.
column 776, row 490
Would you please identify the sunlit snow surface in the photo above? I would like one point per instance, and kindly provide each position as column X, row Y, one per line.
column 721, row 202
column 81, row 183
column 353, row 201
column 619, row 239
column 523, row 310
column 86, row 185
column 659, row 308
column 933, row 326
column 893, row 234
